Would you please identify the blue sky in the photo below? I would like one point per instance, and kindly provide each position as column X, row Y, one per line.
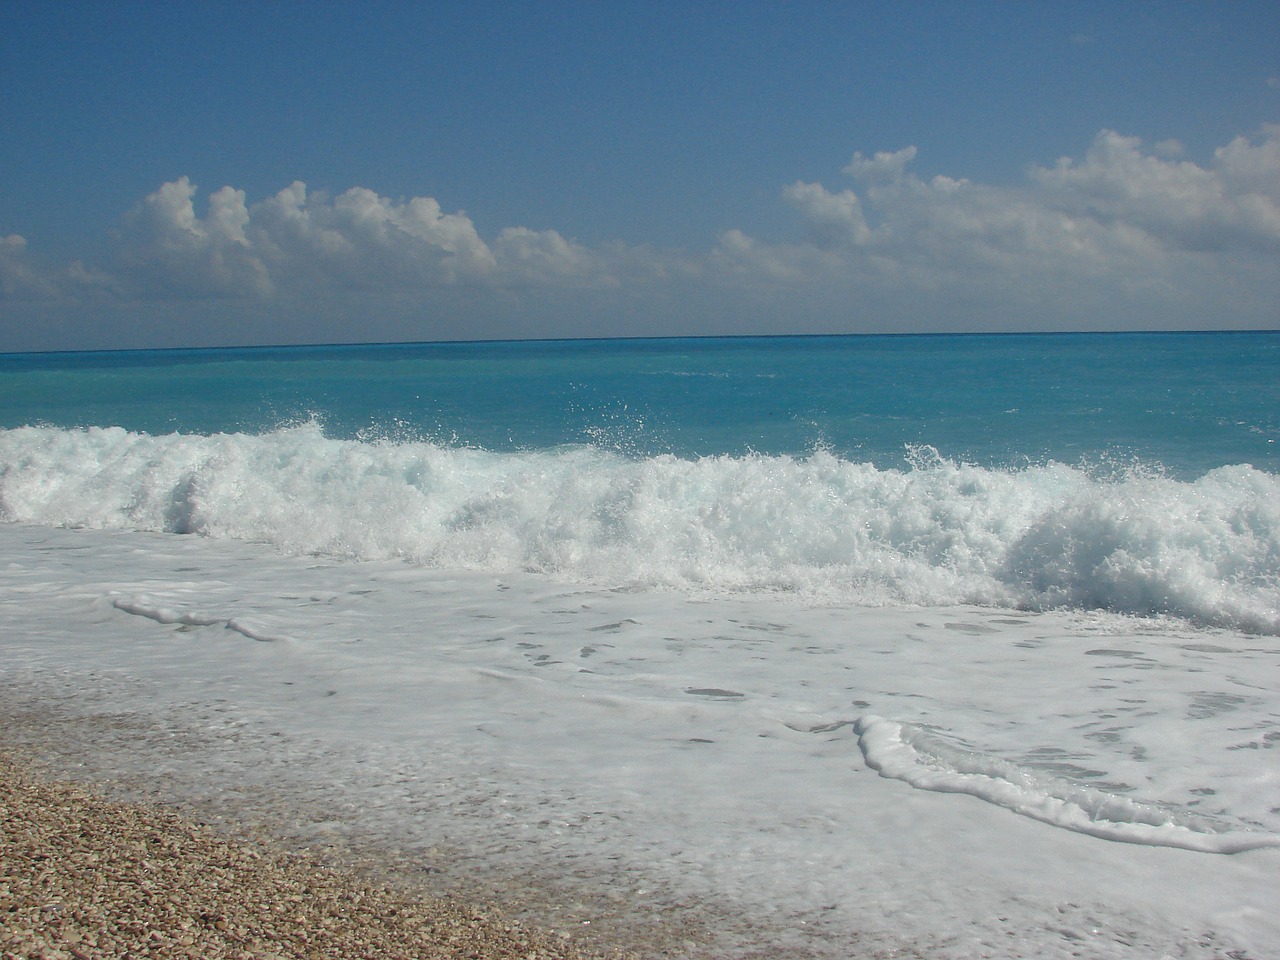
column 200, row 174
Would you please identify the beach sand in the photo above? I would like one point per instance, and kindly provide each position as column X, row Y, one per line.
column 85, row 876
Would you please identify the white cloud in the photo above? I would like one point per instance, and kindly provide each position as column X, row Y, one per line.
column 1145, row 229
column 834, row 219
column 166, row 250
column 751, row 263
column 884, row 166
column 413, row 241
column 1122, row 236
column 1233, row 203
column 545, row 257
column 298, row 244
column 228, row 216
column 1253, row 168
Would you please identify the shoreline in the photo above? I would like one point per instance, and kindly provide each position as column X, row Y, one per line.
column 88, row 876
column 77, row 776
column 681, row 780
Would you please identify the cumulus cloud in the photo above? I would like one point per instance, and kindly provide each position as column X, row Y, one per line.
column 834, row 219
column 358, row 240
column 298, row 243
column 1137, row 222
column 882, row 167
column 1124, row 231
column 413, row 242
column 166, row 250
column 544, row 256
column 1235, row 202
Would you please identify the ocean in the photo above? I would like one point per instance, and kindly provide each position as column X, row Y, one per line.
column 952, row 646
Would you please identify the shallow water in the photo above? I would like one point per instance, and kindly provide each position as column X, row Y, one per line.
column 699, row 748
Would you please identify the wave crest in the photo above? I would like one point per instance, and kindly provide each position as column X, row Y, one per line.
column 937, row 533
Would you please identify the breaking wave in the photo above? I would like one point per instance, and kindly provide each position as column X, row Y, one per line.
column 935, row 533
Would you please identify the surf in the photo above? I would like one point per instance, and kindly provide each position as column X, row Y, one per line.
column 819, row 527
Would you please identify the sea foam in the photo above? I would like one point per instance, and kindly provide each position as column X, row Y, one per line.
column 931, row 762
column 933, row 533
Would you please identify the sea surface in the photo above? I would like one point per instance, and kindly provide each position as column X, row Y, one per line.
column 960, row 646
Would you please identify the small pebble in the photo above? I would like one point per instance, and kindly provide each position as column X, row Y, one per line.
column 77, row 869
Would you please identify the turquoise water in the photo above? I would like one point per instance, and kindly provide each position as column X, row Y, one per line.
column 1134, row 474
column 1182, row 403
column 948, row 613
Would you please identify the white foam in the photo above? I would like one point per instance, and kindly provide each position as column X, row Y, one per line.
column 902, row 752
column 143, row 606
column 666, row 750
column 936, row 534
column 267, row 630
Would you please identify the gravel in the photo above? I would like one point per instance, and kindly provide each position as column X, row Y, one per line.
column 83, row 876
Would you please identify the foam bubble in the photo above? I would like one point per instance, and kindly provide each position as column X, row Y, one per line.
column 821, row 527
column 900, row 751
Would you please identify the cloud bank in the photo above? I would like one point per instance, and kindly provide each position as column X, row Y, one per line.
column 1120, row 217
column 1124, row 236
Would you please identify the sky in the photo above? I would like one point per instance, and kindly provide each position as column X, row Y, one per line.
column 221, row 174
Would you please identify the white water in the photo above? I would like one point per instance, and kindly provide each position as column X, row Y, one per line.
column 938, row 533
column 857, row 781
column 907, row 753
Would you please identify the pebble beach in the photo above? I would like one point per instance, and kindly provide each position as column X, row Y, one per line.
column 85, row 876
